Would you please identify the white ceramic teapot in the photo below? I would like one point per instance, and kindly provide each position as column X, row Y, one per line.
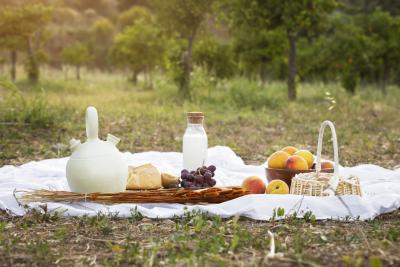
column 96, row 165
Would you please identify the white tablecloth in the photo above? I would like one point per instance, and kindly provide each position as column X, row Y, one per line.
column 381, row 189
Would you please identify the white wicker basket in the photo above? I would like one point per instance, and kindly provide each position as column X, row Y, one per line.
column 325, row 184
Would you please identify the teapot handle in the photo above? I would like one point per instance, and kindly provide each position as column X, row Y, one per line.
column 92, row 123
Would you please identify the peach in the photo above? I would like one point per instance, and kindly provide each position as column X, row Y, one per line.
column 278, row 160
column 296, row 162
column 307, row 155
column 326, row 165
column 277, row 187
column 254, row 184
column 290, row 150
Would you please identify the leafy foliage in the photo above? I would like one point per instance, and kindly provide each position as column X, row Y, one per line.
column 130, row 16
column 186, row 21
column 139, row 47
column 102, row 33
column 294, row 18
column 384, row 30
column 76, row 55
column 215, row 57
column 351, row 41
column 22, row 28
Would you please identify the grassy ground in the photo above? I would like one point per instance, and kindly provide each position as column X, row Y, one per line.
column 36, row 122
column 196, row 240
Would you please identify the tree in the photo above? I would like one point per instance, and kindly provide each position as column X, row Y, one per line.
column 102, row 34
column 76, row 55
column 127, row 4
column 348, row 52
column 140, row 48
column 106, row 8
column 369, row 6
column 295, row 18
column 23, row 28
column 13, row 44
column 255, row 45
column 258, row 48
column 216, row 58
column 385, row 31
column 185, row 19
column 128, row 17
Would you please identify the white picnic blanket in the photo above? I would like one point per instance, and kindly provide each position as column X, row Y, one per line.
column 381, row 190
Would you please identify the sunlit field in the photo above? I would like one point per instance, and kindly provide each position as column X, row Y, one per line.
column 52, row 112
column 265, row 74
column 252, row 125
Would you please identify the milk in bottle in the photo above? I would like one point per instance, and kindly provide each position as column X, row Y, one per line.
column 195, row 142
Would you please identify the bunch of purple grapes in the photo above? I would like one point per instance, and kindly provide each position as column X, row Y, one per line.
column 200, row 178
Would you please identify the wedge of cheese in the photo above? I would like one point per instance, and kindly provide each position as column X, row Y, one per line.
column 144, row 177
column 169, row 181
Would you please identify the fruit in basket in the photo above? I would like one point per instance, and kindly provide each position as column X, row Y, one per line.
column 296, row 162
column 277, row 187
column 290, row 150
column 326, row 165
column 254, row 185
column 307, row 155
column 278, row 160
column 200, row 178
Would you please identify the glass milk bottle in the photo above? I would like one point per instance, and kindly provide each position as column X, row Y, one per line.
column 195, row 142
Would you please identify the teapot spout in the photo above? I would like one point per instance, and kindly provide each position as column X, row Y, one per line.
column 74, row 144
column 113, row 139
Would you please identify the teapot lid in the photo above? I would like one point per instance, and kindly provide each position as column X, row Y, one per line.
column 93, row 147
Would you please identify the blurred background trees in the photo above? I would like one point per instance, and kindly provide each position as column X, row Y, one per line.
column 348, row 41
column 184, row 20
column 77, row 55
column 23, row 28
column 294, row 19
column 139, row 47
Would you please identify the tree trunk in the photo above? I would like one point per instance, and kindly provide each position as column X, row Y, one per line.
column 263, row 72
column 150, row 74
column 32, row 65
column 134, row 77
column 186, row 62
column 385, row 77
column 13, row 70
column 292, row 67
column 78, row 72
column 146, row 78
column 65, row 70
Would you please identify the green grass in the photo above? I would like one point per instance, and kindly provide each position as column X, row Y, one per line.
column 196, row 240
column 252, row 120
column 38, row 121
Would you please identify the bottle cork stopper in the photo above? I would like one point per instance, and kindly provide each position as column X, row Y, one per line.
column 195, row 117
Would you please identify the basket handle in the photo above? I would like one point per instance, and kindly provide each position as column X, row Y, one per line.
column 333, row 183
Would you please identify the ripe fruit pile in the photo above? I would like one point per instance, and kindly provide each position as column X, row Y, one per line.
column 201, row 178
column 293, row 159
column 256, row 185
